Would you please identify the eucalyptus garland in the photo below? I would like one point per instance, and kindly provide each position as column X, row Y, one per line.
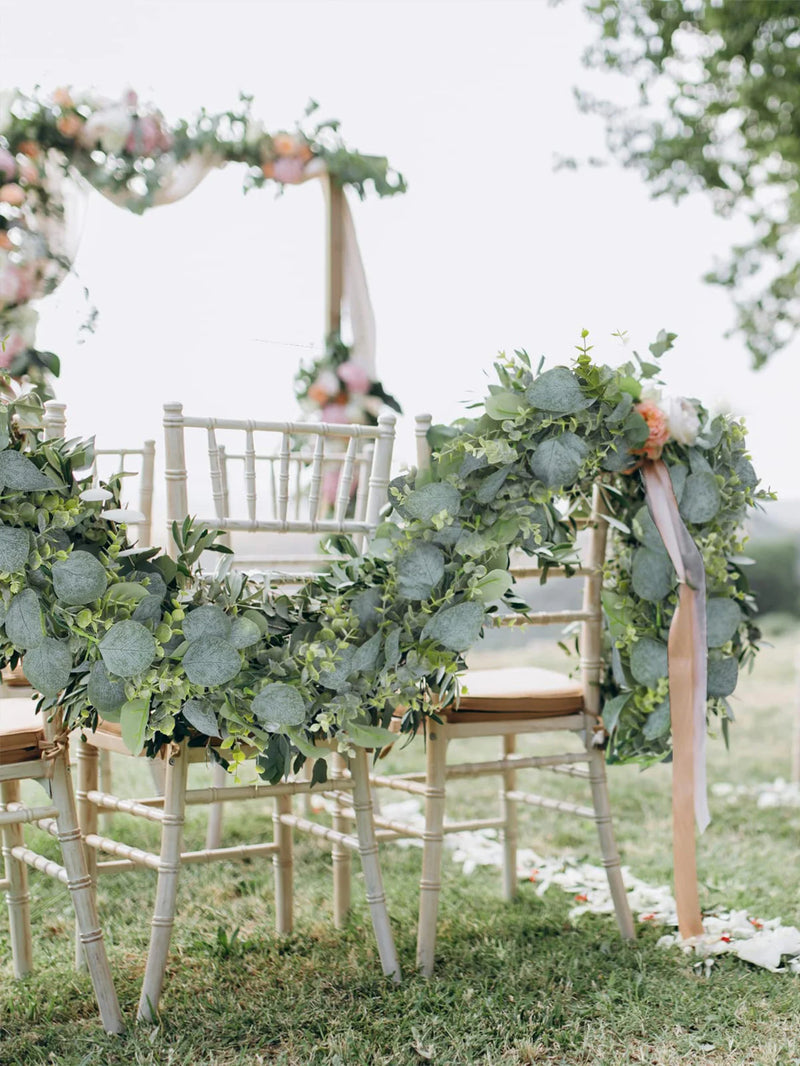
column 132, row 635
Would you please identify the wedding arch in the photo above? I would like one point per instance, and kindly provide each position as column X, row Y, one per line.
column 53, row 150
column 385, row 630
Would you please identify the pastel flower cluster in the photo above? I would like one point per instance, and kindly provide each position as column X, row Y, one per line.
column 339, row 390
column 673, row 419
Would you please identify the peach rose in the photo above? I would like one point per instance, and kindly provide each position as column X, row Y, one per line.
column 658, row 425
column 12, row 194
column 63, row 97
column 5, row 241
column 284, row 144
column 69, row 125
column 29, row 148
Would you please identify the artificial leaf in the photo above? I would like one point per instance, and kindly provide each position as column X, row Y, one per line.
column 148, row 610
column 649, row 661
column 677, row 475
column 211, row 661
column 557, row 391
column 701, row 498
column 419, row 571
column 18, row 472
column 334, row 674
column 128, row 648
column 366, row 607
column 24, row 622
column 723, row 675
column 658, row 722
column 504, row 404
column 15, row 546
column 48, row 666
column 646, row 531
column 207, row 621
column 244, row 632
column 493, row 585
column 96, row 495
column 457, row 627
column 723, row 618
column 652, row 574
column 558, row 460
column 743, row 468
column 200, row 714
column 391, row 649
column 370, row 736
column 105, row 695
column 79, row 579
column 491, row 485
column 278, row 704
column 127, row 592
column 366, row 655
column 133, row 722
column 432, row 499
column 613, row 708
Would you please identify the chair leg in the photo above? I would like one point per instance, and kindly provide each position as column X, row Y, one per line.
column 219, row 779
column 17, row 897
column 433, row 842
column 167, row 889
column 88, row 759
column 83, row 896
column 282, row 862
column 340, row 855
column 368, row 850
column 510, row 823
column 608, row 845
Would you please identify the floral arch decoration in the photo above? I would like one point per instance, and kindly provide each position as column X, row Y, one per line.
column 52, row 150
column 132, row 635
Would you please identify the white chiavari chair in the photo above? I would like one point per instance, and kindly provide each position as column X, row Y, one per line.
column 264, row 517
column 509, row 703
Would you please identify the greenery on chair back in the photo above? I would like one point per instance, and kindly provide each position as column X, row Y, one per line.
column 129, row 634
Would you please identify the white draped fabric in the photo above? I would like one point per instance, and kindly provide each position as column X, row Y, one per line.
column 357, row 303
column 62, row 230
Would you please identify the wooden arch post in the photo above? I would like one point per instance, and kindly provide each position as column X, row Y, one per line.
column 334, row 281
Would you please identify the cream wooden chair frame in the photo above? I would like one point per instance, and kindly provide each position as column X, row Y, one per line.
column 478, row 716
column 168, row 811
column 33, row 749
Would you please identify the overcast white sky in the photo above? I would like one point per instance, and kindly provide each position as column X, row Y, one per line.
column 214, row 300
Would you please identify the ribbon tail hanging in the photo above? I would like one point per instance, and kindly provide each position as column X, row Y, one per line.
column 687, row 685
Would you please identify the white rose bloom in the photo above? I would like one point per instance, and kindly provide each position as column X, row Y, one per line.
column 110, row 127
column 254, row 131
column 684, row 422
column 328, row 381
column 7, row 98
column 651, row 393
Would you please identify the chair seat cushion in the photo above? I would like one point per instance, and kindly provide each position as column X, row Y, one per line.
column 21, row 729
column 517, row 692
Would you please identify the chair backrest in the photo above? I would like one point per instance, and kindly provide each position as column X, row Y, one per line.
column 302, row 479
column 592, row 553
column 137, row 461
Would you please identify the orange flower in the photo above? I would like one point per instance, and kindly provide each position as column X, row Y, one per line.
column 5, row 241
column 658, row 425
column 284, row 144
column 29, row 148
column 69, row 125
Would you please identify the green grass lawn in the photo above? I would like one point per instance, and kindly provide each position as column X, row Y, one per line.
column 515, row 983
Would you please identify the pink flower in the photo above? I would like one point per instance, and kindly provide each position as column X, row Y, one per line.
column 335, row 413
column 145, row 136
column 12, row 194
column 659, row 429
column 63, row 97
column 8, row 164
column 14, row 344
column 28, row 171
column 288, row 170
column 354, row 376
column 284, row 144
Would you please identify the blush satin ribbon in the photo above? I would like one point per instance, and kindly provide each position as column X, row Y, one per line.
column 687, row 688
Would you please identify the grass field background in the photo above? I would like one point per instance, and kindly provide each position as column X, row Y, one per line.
column 515, row 983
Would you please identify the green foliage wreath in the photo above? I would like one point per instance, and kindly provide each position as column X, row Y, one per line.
column 132, row 635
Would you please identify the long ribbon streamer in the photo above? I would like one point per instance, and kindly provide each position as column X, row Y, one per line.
column 687, row 687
